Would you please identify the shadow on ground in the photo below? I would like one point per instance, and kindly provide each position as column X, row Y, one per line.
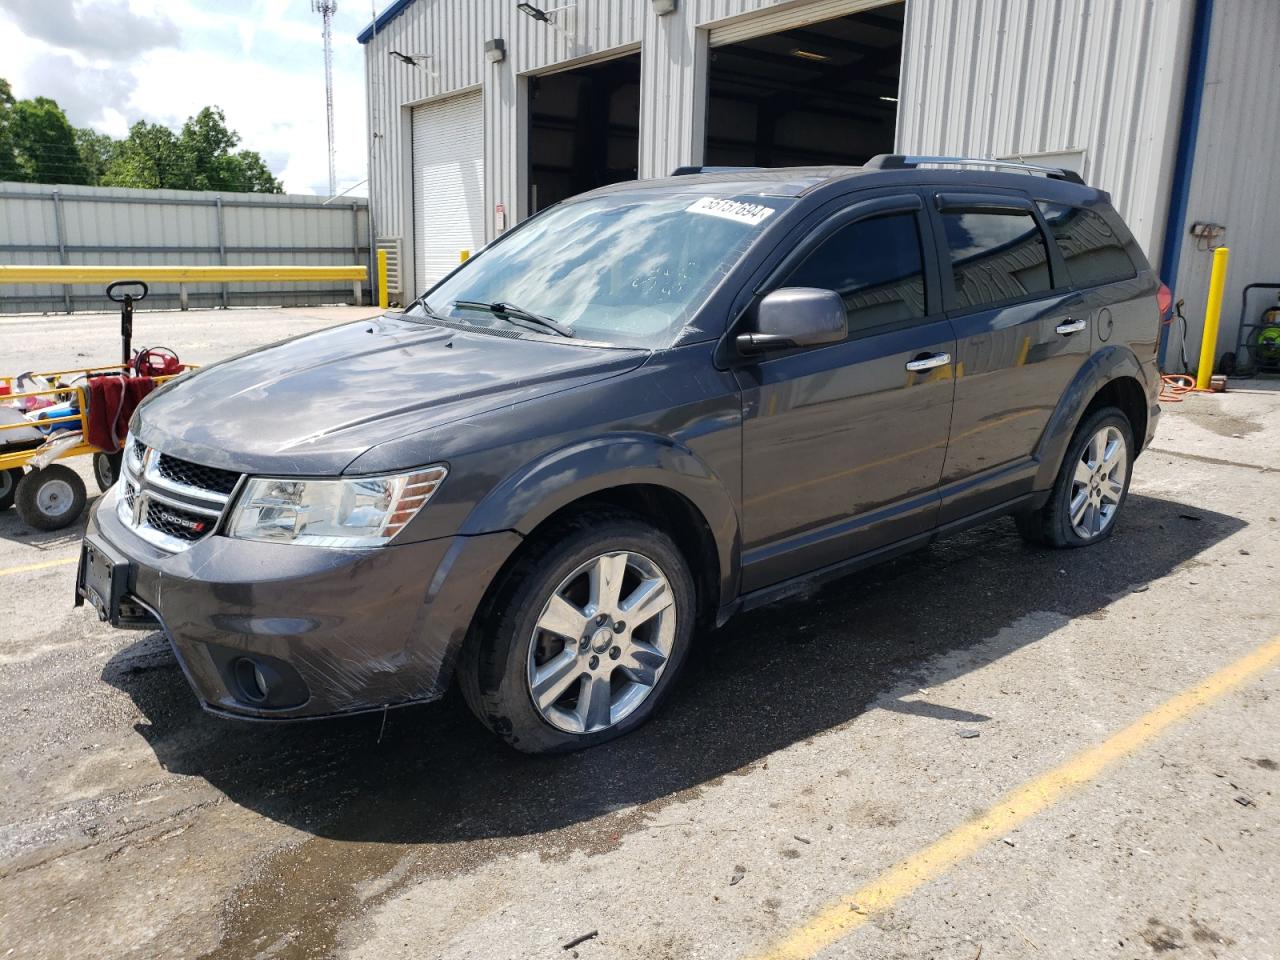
column 14, row 529
column 767, row 680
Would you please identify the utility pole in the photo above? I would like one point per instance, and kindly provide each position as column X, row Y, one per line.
column 326, row 9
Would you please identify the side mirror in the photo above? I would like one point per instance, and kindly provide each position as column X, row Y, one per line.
column 795, row 317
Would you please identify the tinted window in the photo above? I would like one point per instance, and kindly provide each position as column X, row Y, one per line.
column 1094, row 254
column 995, row 256
column 876, row 267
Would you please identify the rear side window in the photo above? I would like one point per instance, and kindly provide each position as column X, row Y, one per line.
column 995, row 256
column 1093, row 252
column 877, row 268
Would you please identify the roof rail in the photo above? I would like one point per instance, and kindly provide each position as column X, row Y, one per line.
column 689, row 171
column 898, row 161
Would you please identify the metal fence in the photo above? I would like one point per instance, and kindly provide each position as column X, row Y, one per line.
column 90, row 226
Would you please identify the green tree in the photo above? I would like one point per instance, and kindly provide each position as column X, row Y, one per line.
column 202, row 156
column 97, row 150
column 8, row 156
column 37, row 143
column 149, row 158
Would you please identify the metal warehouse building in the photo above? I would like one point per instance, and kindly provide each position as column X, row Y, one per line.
column 482, row 113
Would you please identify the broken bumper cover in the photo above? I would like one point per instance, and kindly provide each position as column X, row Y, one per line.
column 327, row 631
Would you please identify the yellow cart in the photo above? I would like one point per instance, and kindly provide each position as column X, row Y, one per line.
column 49, row 495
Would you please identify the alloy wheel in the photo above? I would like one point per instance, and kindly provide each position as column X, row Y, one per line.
column 601, row 642
column 1098, row 483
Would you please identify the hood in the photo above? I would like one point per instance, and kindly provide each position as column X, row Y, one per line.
column 313, row 404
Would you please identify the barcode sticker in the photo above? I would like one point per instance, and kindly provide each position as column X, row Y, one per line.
column 741, row 211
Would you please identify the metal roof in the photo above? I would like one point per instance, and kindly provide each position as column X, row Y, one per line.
column 385, row 17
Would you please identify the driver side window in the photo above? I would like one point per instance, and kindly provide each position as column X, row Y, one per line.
column 876, row 266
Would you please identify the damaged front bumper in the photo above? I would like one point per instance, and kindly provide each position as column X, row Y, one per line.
column 282, row 631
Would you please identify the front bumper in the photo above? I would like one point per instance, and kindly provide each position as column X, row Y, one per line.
column 337, row 631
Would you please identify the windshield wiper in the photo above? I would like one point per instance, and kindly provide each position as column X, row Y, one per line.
column 510, row 312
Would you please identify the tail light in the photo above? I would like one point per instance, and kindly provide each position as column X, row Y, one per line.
column 1164, row 300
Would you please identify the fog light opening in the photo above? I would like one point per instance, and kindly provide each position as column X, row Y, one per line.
column 253, row 680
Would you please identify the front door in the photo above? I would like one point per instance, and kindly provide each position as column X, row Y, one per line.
column 843, row 444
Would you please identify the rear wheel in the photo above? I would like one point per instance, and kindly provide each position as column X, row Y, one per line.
column 587, row 634
column 9, row 486
column 51, row 498
column 1091, row 487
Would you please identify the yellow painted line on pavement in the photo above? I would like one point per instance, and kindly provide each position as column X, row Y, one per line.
column 897, row 883
column 42, row 565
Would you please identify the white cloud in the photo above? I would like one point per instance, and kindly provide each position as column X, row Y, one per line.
column 261, row 61
column 106, row 28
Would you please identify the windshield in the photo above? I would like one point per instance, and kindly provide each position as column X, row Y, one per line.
column 627, row 269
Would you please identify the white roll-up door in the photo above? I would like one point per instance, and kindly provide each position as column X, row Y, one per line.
column 448, row 185
column 789, row 18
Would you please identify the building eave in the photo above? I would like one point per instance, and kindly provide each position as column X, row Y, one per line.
column 385, row 17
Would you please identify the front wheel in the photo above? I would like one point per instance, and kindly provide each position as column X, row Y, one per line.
column 588, row 631
column 1091, row 487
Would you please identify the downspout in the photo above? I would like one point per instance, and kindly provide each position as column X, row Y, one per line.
column 1188, row 132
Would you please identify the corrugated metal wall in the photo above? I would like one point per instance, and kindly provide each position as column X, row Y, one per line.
column 1234, row 182
column 109, row 225
column 453, row 33
column 983, row 78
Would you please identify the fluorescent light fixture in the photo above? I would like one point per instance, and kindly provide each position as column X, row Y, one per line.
column 809, row 55
column 889, row 99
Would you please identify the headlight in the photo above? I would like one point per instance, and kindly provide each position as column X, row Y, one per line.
column 351, row 512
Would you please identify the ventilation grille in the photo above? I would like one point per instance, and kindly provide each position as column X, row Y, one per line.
column 195, row 475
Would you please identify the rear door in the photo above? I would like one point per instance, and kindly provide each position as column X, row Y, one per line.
column 843, row 444
column 1021, row 337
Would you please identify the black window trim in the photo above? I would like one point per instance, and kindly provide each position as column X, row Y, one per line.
column 868, row 209
column 997, row 203
column 1056, row 251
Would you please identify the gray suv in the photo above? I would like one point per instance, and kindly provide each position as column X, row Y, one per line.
column 639, row 412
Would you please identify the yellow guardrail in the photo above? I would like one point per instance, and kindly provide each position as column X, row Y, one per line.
column 77, row 274
column 81, row 274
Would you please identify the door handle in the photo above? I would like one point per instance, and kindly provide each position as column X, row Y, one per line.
column 928, row 362
column 1068, row 327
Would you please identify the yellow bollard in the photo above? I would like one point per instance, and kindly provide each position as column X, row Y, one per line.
column 1212, row 314
column 383, row 296
column 464, row 256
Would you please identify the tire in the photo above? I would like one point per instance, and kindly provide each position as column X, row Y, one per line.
column 9, row 486
column 52, row 498
column 586, row 700
column 106, row 469
column 1065, row 521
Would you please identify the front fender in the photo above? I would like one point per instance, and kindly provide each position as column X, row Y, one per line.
column 1103, row 367
column 530, row 495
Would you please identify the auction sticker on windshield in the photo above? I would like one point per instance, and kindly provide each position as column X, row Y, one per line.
column 739, row 210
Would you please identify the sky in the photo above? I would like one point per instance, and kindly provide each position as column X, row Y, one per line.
column 110, row 63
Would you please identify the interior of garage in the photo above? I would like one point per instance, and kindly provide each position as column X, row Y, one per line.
column 825, row 93
column 584, row 129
